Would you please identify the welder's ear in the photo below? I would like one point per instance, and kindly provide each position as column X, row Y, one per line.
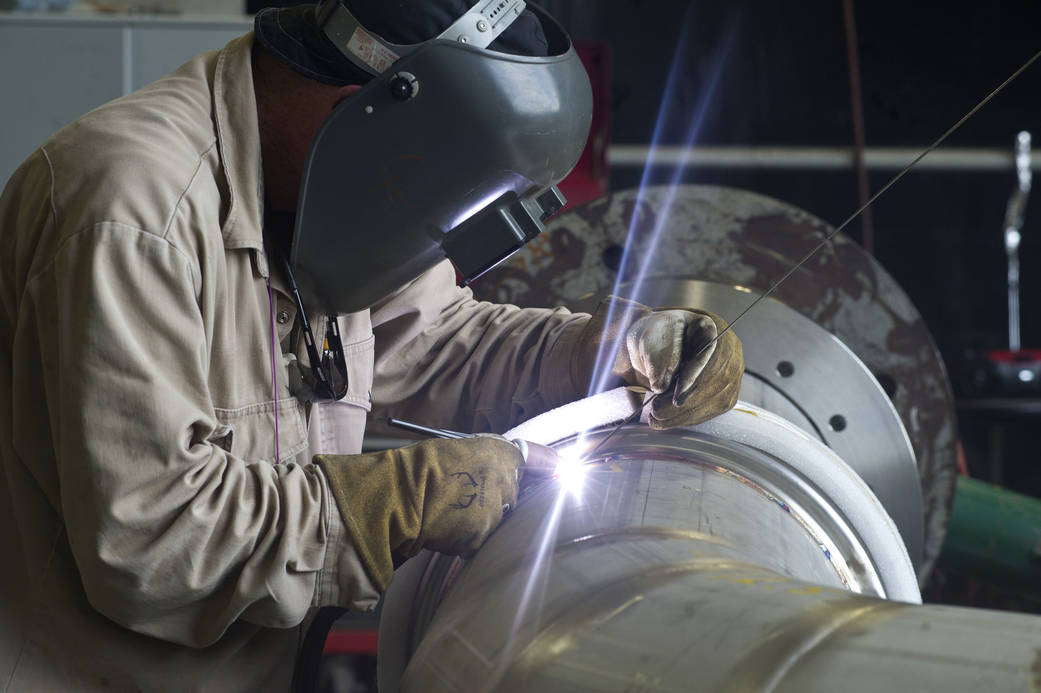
column 346, row 92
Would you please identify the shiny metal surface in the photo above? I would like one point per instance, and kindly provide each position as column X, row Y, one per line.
column 719, row 625
column 712, row 558
column 658, row 512
column 793, row 450
column 796, row 369
column 741, row 500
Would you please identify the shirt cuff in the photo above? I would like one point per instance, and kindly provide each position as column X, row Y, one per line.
column 342, row 580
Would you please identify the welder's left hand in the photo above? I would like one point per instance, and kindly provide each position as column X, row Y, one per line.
column 661, row 350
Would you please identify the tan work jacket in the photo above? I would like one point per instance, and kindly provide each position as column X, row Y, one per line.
column 151, row 542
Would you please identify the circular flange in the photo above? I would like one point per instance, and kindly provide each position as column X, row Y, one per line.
column 736, row 237
column 796, row 369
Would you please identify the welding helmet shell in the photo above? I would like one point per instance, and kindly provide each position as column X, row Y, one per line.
column 450, row 150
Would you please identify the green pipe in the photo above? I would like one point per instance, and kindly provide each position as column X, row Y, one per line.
column 994, row 534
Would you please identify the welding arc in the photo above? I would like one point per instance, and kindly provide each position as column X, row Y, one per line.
column 940, row 140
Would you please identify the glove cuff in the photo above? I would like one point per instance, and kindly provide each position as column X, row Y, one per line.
column 346, row 476
column 605, row 332
column 444, row 495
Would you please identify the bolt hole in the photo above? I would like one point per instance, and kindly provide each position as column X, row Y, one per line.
column 785, row 369
column 888, row 383
column 613, row 257
column 837, row 423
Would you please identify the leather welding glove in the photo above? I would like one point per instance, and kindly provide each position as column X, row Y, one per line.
column 661, row 350
column 443, row 495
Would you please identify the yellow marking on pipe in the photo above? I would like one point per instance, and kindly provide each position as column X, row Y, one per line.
column 806, row 590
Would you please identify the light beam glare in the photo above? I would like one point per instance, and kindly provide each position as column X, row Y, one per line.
column 569, row 479
column 534, row 587
column 609, row 348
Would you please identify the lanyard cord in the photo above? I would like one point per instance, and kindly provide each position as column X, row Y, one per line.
column 275, row 348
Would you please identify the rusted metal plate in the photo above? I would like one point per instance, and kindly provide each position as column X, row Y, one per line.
column 738, row 237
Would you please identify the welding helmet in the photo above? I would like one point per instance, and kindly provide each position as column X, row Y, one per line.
column 451, row 149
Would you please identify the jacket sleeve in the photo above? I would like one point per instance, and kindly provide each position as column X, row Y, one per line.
column 173, row 536
column 448, row 360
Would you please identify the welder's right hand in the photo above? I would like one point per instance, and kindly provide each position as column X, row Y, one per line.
column 443, row 495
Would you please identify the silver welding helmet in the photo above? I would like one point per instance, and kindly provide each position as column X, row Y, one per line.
column 451, row 150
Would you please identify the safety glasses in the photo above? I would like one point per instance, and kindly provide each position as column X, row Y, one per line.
column 329, row 369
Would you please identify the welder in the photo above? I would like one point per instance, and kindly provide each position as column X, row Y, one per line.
column 210, row 286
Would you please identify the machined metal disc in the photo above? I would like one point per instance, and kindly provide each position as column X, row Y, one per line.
column 787, row 359
column 738, row 238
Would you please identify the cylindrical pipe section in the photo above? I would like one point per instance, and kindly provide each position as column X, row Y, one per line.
column 995, row 535
column 656, row 514
column 710, row 624
column 692, row 560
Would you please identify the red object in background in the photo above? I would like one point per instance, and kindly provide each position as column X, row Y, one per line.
column 1014, row 357
column 589, row 179
column 351, row 641
column 1007, row 373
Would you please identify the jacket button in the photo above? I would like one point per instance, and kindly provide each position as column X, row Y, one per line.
column 283, row 317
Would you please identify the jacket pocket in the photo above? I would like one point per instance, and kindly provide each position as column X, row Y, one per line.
column 249, row 432
column 359, row 357
column 338, row 427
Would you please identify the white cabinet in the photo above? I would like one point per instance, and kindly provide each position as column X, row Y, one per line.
column 55, row 68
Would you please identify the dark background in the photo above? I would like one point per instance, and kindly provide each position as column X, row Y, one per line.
column 759, row 72
column 767, row 73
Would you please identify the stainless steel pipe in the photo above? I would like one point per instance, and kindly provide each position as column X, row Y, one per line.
column 737, row 555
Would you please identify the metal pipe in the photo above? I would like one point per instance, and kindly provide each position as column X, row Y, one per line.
column 811, row 158
column 692, row 560
column 994, row 534
column 1014, row 215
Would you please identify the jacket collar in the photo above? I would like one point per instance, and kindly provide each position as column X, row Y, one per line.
column 238, row 138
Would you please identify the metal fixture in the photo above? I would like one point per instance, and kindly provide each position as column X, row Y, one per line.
column 809, row 158
column 403, row 86
column 1014, row 216
column 851, row 414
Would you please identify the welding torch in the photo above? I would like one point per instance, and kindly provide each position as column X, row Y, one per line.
column 539, row 460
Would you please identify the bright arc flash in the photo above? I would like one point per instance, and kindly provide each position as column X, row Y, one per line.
column 571, row 469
